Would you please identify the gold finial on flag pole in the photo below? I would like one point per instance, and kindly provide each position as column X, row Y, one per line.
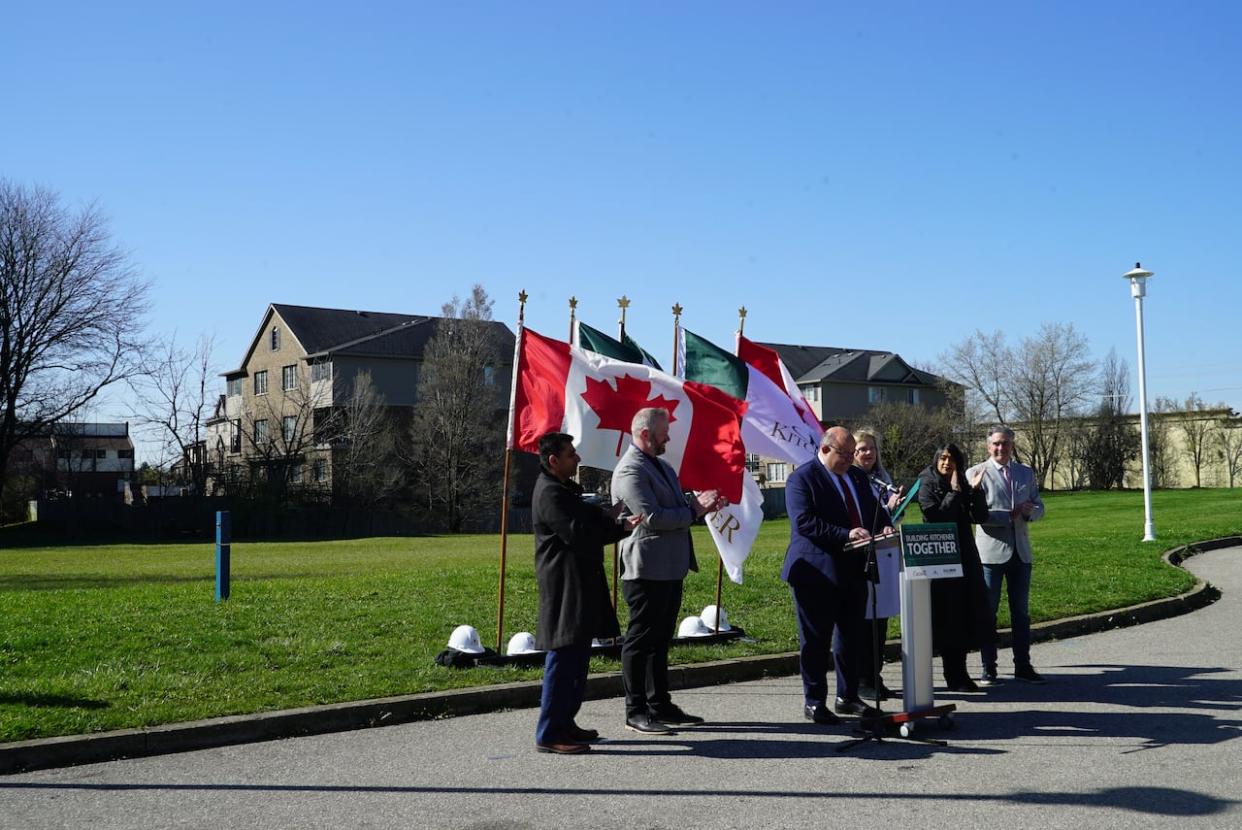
column 623, row 303
column 573, row 310
column 741, row 320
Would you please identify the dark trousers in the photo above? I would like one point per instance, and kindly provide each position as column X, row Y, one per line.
column 1017, row 575
column 654, row 605
column 828, row 614
column 564, row 686
column 874, row 633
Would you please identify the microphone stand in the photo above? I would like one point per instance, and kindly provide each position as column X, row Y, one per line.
column 872, row 728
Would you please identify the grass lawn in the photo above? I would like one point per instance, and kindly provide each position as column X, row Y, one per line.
column 121, row 635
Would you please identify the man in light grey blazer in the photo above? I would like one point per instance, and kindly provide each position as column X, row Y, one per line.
column 655, row 558
column 1004, row 544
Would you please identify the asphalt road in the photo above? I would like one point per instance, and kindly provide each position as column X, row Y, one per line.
column 1138, row 727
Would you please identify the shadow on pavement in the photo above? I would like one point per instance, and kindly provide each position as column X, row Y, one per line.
column 1166, row 801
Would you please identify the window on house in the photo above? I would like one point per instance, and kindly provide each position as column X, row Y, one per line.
column 235, row 435
column 778, row 471
column 288, row 426
column 124, row 453
column 275, row 338
column 88, row 453
column 875, row 394
column 912, row 395
column 489, row 376
column 234, row 387
column 65, row 454
column 260, row 382
column 752, row 462
column 320, row 470
column 810, row 391
column 321, row 370
column 288, row 377
column 260, row 431
column 295, row 475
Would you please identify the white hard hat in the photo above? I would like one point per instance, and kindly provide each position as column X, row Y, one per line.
column 521, row 643
column 709, row 619
column 465, row 638
column 692, row 627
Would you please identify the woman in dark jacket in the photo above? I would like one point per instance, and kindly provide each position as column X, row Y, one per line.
column 961, row 615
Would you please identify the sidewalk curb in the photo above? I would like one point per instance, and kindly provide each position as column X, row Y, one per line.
column 71, row 750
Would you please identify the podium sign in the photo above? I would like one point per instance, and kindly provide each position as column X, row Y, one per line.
column 930, row 551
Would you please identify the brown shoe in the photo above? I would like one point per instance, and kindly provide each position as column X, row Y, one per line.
column 563, row 748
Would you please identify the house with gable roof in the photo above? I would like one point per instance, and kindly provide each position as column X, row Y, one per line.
column 300, row 367
column 842, row 385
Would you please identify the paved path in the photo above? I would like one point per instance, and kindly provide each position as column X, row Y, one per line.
column 1139, row 727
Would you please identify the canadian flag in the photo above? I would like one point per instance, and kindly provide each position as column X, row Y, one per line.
column 557, row 387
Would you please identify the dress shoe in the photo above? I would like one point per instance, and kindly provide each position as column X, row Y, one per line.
column 868, row 693
column 1027, row 674
column 647, row 725
column 583, row 736
column 989, row 677
column 819, row 713
column 672, row 713
column 563, row 748
column 961, row 684
column 854, row 707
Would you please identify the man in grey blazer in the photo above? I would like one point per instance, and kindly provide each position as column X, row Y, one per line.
column 1004, row 544
column 654, row 560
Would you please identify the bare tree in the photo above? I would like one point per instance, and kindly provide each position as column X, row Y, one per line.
column 1196, row 430
column 1160, row 444
column 1228, row 439
column 457, row 429
column 982, row 363
column 1112, row 442
column 175, row 401
column 1051, row 378
column 909, row 434
column 71, row 309
column 365, row 465
column 280, row 430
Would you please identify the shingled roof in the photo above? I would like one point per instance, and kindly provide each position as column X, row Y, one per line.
column 323, row 332
column 811, row 364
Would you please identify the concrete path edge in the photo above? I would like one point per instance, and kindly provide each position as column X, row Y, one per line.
column 71, row 750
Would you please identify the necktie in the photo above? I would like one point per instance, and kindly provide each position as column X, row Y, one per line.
column 855, row 516
column 1008, row 484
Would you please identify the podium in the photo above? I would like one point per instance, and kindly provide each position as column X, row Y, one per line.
column 926, row 552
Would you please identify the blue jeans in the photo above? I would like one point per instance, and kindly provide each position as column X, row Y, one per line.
column 1018, row 574
column 564, row 686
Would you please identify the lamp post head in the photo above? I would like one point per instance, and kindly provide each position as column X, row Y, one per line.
column 1138, row 276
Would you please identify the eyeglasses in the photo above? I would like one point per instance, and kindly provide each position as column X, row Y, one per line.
column 840, row 451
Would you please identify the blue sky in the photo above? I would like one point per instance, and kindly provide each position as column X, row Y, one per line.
column 890, row 177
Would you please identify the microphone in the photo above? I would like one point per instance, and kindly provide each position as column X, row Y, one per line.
column 883, row 485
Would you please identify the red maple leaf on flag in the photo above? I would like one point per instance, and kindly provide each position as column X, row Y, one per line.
column 616, row 407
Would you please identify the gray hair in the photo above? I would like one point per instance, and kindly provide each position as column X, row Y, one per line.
column 646, row 418
column 1002, row 429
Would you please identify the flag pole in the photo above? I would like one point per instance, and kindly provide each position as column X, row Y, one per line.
column 573, row 309
column 623, row 302
column 677, row 310
column 741, row 325
column 504, row 490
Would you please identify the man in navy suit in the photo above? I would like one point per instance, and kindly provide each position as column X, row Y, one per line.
column 830, row 504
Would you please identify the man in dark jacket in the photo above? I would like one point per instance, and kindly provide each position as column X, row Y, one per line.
column 574, row 607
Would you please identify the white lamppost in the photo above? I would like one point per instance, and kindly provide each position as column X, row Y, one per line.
column 1138, row 290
